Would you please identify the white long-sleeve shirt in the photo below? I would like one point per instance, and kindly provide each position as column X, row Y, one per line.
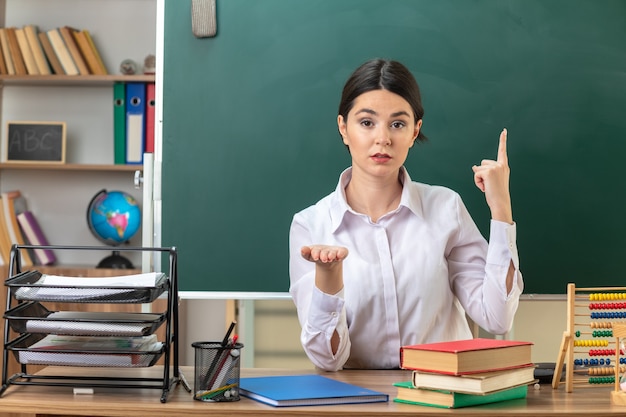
column 409, row 278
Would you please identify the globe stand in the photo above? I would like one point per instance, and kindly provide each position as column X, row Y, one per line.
column 115, row 261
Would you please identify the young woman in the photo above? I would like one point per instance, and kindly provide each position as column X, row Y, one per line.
column 384, row 261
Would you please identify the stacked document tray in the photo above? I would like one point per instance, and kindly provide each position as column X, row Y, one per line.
column 32, row 317
column 76, row 338
column 35, row 286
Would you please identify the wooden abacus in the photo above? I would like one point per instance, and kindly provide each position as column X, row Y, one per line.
column 608, row 312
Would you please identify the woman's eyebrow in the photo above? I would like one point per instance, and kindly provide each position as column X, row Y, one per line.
column 373, row 112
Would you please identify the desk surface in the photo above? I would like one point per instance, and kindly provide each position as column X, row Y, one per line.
column 37, row 400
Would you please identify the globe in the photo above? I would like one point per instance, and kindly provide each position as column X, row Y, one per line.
column 113, row 218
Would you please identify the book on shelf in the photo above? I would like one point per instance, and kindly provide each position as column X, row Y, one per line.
column 72, row 46
column 3, row 64
column 466, row 356
column 5, row 241
column 16, row 54
column 62, row 52
column 34, row 236
column 32, row 32
column 51, row 55
column 89, row 53
column 89, row 38
column 11, row 203
column 302, row 390
column 6, row 51
column 27, row 53
column 480, row 383
column 449, row 399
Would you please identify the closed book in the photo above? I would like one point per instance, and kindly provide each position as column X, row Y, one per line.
column 70, row 42
column 5, row 240
column 27, row 53
column 481, row 383
column 301, row 390
column 95, row 49
column 51, row 55
column 6, row 51
column 62, row 53
column 36, row 48
column 87, row 52
column 10, row 212
column 35, row 236
column 150, row 97
column 119, row 123
column 450, row 399
column 16, row 54
column 3, row 65
column 466, row 356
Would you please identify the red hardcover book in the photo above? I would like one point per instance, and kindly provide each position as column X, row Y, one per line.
column 150, row 92
column 466, row 356
column 34, row 235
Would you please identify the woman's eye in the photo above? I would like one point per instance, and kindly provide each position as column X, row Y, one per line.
column 366, row 123
column 397, row 125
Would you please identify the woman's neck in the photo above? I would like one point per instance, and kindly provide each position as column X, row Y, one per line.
column 374, row 197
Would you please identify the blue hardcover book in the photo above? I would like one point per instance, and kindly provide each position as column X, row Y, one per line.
column 299, row 390
column 135, row 122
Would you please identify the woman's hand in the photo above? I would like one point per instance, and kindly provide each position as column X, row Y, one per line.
column 324, row 254
column 492, row 178
column 328, row 266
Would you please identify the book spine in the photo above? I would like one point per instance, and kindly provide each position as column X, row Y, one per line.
column 62, row 52
column 31, row 32
column 16, row 54
column 27, row 53
column 68, row 38
column 35, row 236
column 6, row 51
column 51, row 56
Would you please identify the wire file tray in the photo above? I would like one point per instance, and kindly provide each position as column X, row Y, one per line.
column 89, row 338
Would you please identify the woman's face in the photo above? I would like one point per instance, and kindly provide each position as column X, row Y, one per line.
column 379, row 132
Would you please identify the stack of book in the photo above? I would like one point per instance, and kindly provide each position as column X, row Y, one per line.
column 466, row 372
column 28, row 51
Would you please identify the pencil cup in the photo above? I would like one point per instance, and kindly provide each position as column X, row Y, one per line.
column 216, row 371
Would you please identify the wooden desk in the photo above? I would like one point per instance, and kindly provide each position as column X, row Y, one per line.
column 48, row 401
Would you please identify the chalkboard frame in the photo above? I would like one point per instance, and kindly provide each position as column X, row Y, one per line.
column 60, row 146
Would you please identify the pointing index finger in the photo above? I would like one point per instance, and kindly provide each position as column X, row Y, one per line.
column 502, row 157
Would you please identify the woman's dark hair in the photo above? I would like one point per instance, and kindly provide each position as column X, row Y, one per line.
column 382, row 74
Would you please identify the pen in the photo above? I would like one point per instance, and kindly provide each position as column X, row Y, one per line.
column 225, row 365
column 210, row 373
column 228, row 332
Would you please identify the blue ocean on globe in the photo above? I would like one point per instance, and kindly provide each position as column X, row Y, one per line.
column 113, row 216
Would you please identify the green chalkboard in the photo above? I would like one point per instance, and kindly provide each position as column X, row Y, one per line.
column 250, row 136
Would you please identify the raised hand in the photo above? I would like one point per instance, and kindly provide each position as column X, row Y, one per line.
column 492, row 178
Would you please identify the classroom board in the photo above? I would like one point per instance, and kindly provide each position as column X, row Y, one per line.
column 250, row 134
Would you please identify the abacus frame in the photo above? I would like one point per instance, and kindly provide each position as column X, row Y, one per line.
column 566, row 352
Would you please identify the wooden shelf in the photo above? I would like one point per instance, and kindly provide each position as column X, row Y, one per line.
column 70, row 167
column 79, row 80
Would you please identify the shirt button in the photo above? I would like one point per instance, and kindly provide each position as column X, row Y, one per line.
column 333, row 314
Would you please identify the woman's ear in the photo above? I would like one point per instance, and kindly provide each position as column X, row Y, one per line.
column 416, row 133
column 341, row 124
